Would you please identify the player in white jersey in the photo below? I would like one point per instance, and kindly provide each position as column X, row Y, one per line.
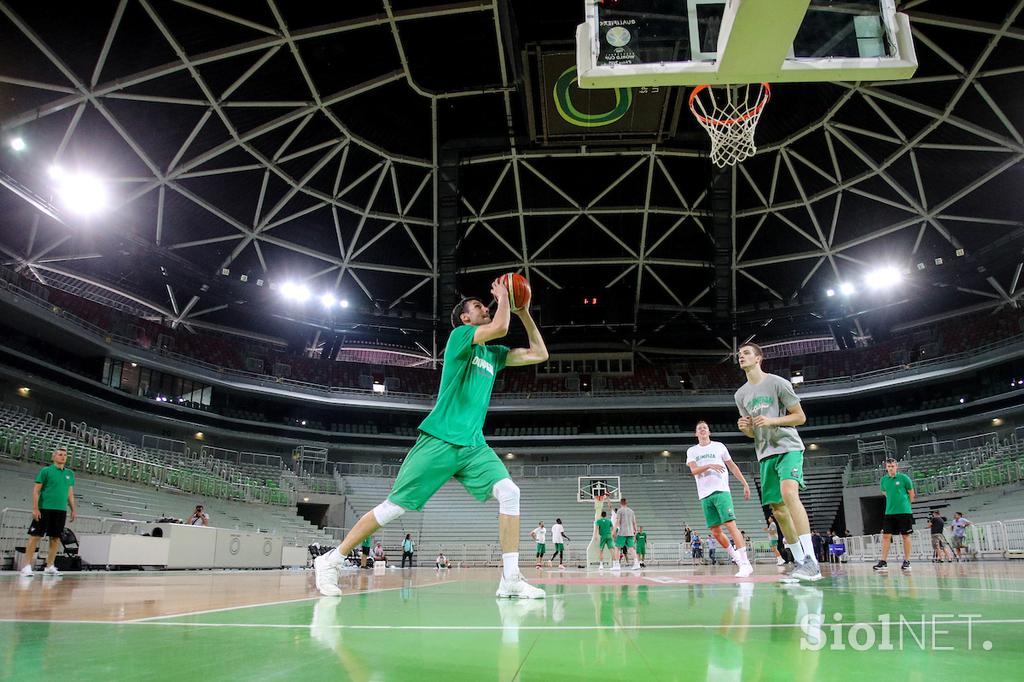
column 709, row 461
column 539, row 535
column 558, row 537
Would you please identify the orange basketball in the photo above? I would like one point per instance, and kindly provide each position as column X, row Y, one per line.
column 518, row 290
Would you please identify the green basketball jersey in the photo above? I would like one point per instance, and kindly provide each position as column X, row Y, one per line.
column 56, row 483
column 604, row 527
column 465, row 392
column 897, row 495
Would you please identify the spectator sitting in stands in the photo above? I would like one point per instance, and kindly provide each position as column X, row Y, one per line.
column 199, row 517
column 442, row 561
column 378, row 553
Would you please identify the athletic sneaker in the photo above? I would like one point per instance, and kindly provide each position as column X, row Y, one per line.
column 780, row 562
column 808, row 570
column 326, row 574
column 27, row 571
column 745, row 570
column 516, row 587
column 905, row 566
column 600, row 566
column 636, row 566
column 881, row 566
column 52, row 570
column 561, row 567
column 615, row 566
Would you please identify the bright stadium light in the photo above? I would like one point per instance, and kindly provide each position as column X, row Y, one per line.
column 344, row 303
column 883, row 278
column 80, row 193
column 830, row 292
column 295, row 292
column 327, row 300
column 847, row 289
column 17, row 144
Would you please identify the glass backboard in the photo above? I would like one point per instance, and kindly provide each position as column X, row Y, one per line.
column 690, row 42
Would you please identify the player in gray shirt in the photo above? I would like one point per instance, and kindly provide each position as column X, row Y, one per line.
column 769, row 412
column 625, row 534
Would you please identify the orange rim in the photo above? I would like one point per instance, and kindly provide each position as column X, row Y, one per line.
column 730, row 121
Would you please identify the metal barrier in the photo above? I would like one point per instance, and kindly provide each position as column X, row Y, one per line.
column 14, row 525
column 993, row 540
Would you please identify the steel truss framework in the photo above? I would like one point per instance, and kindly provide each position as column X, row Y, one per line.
column 906, row 170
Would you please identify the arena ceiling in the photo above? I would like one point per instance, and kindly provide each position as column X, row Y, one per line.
column 325, row 142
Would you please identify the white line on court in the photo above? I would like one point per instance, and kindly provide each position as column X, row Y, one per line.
column 667, row 626
column 269, row 603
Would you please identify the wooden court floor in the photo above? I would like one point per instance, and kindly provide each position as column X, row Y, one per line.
column 938, row 622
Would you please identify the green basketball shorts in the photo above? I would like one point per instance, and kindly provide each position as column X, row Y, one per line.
column 432, row 462
column 718, row 508
column 778, row 468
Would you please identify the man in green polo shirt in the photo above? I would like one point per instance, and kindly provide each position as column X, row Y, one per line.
column 641, row 547
column 605, row 539
column 364, row 550
column 451, row 441
column 898, row 489
column 52, row 495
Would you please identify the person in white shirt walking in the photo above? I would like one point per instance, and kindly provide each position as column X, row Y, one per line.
column 539, row 535
column 710, row 463
column 558, row 537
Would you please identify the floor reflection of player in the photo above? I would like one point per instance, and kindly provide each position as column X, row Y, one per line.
column 514, row 614
column 725, row 648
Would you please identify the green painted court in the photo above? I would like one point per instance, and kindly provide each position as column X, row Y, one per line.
column 957, row 621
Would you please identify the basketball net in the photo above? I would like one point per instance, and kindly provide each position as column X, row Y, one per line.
column 729, row 114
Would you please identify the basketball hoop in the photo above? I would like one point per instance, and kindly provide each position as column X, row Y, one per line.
column 729, row 115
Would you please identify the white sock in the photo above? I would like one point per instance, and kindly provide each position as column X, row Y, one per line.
column 333, row 557
column 807, row 546
column 731, row 550
column 798, row 552
column 509, row 564
column 741, row 556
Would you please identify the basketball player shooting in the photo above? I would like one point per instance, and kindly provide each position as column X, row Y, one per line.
column 451, row 441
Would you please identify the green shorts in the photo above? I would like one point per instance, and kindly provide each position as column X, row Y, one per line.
column 540, row 548
column 773, row 543
column 641, row 548
column 778, row 468
column 432, row 462
column 718, row 508
column 605, row 541
column 559, row 546
column 625, row 541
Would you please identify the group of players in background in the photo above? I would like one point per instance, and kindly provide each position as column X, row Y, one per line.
column 451, row 445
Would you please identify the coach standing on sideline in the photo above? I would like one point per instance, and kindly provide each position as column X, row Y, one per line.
column 52, row 494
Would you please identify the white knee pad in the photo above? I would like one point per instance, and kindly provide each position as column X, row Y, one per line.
column 386, row 512
column 507, row 494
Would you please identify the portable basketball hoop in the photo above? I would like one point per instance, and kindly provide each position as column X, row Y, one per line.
column 729, row 114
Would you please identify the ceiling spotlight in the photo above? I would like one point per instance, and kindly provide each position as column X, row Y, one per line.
column 17, row 144
column 830, row 292
column 883, row 278
column 344, row 303
column 295, row 292
column 938, row 261
column 327, row 300
column 847, row 289
column 81, row 193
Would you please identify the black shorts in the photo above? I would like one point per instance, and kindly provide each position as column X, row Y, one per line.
column 365, row 550
column 898, row 524
column 50, row 523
